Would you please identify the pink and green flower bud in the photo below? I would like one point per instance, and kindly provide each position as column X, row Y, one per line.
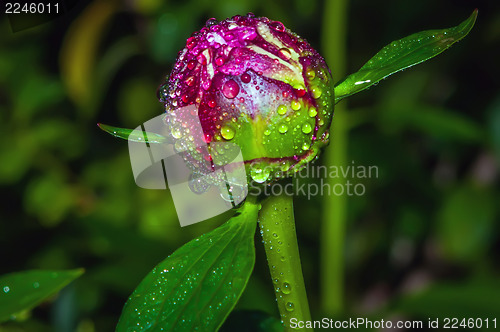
column 257, row 85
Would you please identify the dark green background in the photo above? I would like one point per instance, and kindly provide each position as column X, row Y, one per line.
column 423, row 241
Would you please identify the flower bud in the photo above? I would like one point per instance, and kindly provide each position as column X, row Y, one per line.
column 257, row 85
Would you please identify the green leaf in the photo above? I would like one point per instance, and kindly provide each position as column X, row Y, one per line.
column 465, row 225
column 475, row 298
column 199, row 284
column 402, row 54
column 24, row 290
column 134, row 135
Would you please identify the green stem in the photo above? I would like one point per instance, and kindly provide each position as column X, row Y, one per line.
column 334, row 207
column 277, row 227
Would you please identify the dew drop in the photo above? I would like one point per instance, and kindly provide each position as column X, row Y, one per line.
column 285, row 54
column 219, row 61
column 295, row 105
column 300, row 92
column 245, row 78
column 286, row 288
column 278, row 26
column 289, row 306
column 189, row 81
column 316, row 92
column 6, row 289
column 283, row 128
column 210, row 22
column 267, row 132
column 282, row 109
column 227, row 132
column 230, row 89
column 306, row 128
column 211, row 103
column 190, row 42
column 191, row 64
column 305, row 146
column 310, row 74
column 260, row 175
column 202, row 60
column 312, row 112
column 176, row 132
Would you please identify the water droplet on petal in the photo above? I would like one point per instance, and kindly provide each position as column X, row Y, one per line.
column 245, row 78
column 310, row 74
column 282, row 109
column 176, row 132
column 197, row 185
column 295, row 105
column 219, row 61
column 210, row 22
column 316, row 92
column 283, row 128
column 202, row 60
column 306, row 128
column 227, row 132
column 189, row 81
column 278, row 26
column 230, row 89
column 190, row 42
column 312, row 112
column 260, row 174
column 285, row 54
column 191, row 64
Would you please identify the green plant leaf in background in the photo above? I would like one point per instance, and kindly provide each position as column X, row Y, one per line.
column 24, row 290
column 466, row 222
column 401, row 54
column 479, row 297
column 199, row 284
column 134, row 135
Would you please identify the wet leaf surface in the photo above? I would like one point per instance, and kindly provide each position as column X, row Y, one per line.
column 401, row 54
column 199, row 284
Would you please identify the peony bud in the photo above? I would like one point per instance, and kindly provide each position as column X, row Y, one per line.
column 257, row 85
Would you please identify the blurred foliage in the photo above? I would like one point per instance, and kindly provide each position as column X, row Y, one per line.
column 423, row 240
column 24, row 290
